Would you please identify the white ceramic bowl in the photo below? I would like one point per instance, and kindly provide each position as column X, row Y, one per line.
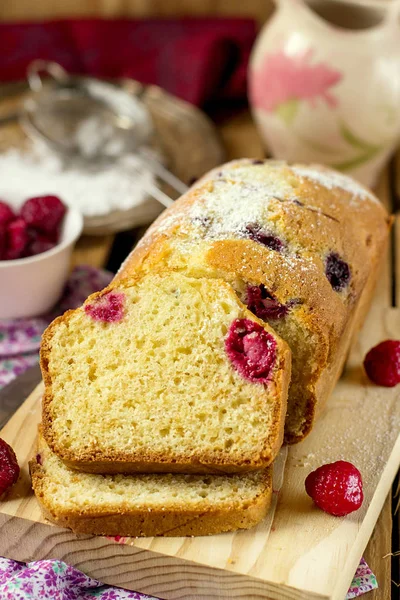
column 31, row 286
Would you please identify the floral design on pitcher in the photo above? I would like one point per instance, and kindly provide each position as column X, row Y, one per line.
column 283, row 81
column 359, row 151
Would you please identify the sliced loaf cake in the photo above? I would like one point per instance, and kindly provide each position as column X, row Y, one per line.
column 164, row 374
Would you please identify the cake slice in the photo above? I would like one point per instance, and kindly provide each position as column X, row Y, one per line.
column 148, row 505
column 166, row 373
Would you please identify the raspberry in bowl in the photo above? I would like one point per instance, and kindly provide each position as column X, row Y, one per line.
column 36, row 243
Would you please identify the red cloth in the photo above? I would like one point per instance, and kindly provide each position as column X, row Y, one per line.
column 199, row 60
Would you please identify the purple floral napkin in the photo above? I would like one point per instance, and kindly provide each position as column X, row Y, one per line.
column 53, row 579
column 363, row 581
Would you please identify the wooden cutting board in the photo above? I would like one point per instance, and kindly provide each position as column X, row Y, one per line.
column 297, row 553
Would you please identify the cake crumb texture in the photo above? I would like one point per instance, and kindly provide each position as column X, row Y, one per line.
column 156, row 389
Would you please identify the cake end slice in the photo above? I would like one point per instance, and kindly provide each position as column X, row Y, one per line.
column 147, row 505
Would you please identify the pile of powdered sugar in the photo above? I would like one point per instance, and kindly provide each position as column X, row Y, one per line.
column 118, row 184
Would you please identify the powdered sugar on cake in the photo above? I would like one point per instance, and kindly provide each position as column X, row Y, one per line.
column 332, row 179
column 232, row 205
column 243, row 194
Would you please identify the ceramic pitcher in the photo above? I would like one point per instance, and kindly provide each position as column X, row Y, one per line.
column 325, row 84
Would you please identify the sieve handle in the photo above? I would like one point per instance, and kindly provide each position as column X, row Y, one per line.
column 36, row 67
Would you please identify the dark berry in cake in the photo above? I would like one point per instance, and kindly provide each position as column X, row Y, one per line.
column 257, row 161
column 263, row 304
column 44, row 213
column 202, row 221
column 251, row 350
column 256, row 233
column 382, row 363
column 337, row 272
column 108, row 308
column 336, row 488
column 6, row 214
column 9, row 469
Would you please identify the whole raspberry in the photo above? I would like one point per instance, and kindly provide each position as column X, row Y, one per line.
column 38, row 243
column 9, row 469
column 382, row 363
column 336, row 488
column 16, row 239
column 6, row 213
column 44, row 213
column 2, row 241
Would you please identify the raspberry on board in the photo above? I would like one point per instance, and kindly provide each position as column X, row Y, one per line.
column 9, row 468
column 382, row 363
column 336, row 488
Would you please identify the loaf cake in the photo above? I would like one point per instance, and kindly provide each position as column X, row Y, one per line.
column 164, row 373
column 148, row 505
column 300, row 245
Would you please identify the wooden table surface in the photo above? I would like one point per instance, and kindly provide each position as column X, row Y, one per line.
column 240, row 138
